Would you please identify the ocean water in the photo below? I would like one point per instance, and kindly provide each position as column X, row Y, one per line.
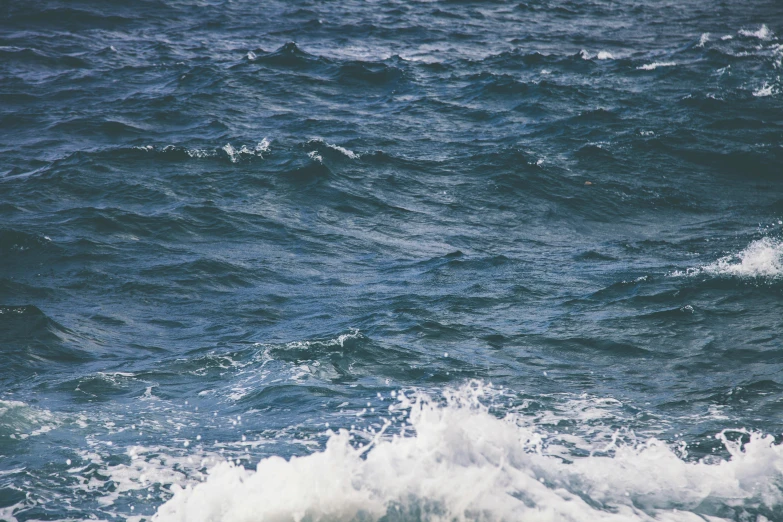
column 391, row 261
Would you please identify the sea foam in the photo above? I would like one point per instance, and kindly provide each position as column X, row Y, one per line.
column 762, row 33
column 342, row 150
column 655, row 65
column 235, row 154
column 762, row 258
column 460, row 462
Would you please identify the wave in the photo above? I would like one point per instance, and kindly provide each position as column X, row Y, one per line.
column 236, row 154
column 342, row 150
column 600, row 55
column 762, row 33
column 19, row 420
column 23, row 243
column 66, row 17
column 31, row 56
column 762, row 258
column 766, row 90
column 288, row 55
column 655, row 65
column 227, row 151
column 31, row 342
column 454, row 460
column 369, row 74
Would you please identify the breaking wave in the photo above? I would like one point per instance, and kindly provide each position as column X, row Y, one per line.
column 458, row 461
column 763, row 258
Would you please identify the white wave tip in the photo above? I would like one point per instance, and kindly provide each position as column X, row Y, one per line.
column 762, row 33
column 655, row 65
column 764, row 90
column 761, row 258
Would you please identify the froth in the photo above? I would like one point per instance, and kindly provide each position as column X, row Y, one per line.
column 655, row 65
column 762, row 258
column 236, row 154
column 601, row 55
column 342, row 150
column 764, row 90
column 459, row 462
column 762, row 33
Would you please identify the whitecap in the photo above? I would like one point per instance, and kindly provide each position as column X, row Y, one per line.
column 7, row 513
column 19, row 420
column 762, row 258
column 762, row 33
column 200, row 153
column 602, row 55
column 655, row 65
column 765, row 90
column 342, row 150
column 349, row 153
column 460, row 462
column 703, row 39
column 236, row 154
column 145, row 468
column 340, row 340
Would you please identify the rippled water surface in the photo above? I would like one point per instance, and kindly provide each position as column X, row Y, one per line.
column 443, row 260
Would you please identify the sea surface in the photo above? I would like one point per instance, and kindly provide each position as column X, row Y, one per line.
column 391, row 260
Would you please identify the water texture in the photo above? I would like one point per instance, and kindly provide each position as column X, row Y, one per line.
column 391, row 261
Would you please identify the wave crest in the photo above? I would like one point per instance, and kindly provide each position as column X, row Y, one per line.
column 763, row 258
column 459, row 462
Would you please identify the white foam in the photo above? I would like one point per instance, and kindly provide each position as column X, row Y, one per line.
column 236, row 154
column 148, row 467
column 342, row 150
column 602, row 55
column 762, row 258
column 351, row 154
column 337, row 341
column 765, row 90
column 703, row 39
column 459, row 462
column 7, row 513
column 200, row 153
column 762, row 33
column 19, row 420
column 655, row 65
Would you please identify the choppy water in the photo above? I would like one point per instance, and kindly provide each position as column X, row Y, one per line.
column 391, row 260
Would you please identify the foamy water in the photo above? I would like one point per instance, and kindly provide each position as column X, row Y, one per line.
column 655, row 65
column 761, row 258
column 456, row 461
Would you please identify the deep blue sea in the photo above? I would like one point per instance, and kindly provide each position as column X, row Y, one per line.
column 391, row 260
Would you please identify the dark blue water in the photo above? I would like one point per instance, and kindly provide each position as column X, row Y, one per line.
column 391, row 260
